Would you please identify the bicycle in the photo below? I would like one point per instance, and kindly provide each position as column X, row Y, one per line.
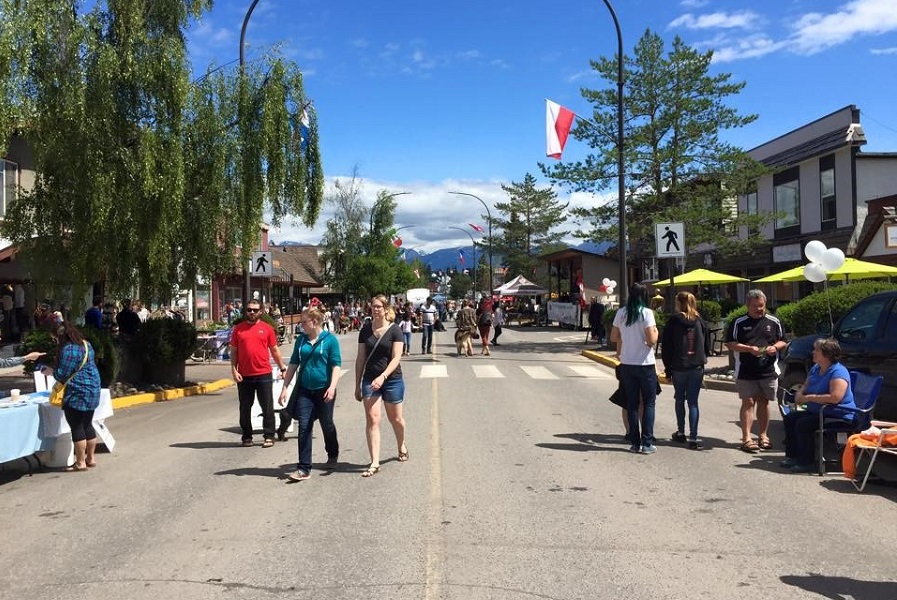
column 207, row 348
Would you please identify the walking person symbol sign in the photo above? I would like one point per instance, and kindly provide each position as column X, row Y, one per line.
column 670, row 240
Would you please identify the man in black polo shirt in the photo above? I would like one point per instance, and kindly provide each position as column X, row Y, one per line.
column 756, row 338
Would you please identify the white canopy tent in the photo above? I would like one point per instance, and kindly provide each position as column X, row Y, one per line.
column 520, row 286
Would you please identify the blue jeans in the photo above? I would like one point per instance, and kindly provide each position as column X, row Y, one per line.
column 640, row 383
column 426, row 342
column 310, row 405
column 407, row 335
column 247, row 390
column 686, row 387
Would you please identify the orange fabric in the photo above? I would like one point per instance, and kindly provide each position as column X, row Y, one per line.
column 848, row 459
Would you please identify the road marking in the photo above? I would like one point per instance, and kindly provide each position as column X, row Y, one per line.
column 591, row 372
column 435, row 540
column 433, row 371
column 487, row 372
column 539, row 373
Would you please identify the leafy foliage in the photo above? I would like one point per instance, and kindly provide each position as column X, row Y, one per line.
column 105, row 351
column 163, row 340
column 710, row 310
column 811, row 314
column 678, row 169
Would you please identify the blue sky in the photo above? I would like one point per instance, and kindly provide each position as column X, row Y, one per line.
column 429, row 97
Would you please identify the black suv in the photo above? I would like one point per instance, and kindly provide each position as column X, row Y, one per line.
column 867, row 334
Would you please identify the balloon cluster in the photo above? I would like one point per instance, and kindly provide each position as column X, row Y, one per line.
column 607, row 286
column 822, row 261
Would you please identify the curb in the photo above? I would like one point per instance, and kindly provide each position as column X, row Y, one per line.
column 611, row 361
column 196, row 390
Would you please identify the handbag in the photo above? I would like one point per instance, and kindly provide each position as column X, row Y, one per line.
column 58, row 391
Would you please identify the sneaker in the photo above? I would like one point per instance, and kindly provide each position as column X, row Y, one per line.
column 679, row 438
column 628, row 437
column 246, row 443
column 695, row 445
column 281, row 437
column 298, row 475
column 649, row 449
column 635, row 448
column 332, row 462
column 787, row 463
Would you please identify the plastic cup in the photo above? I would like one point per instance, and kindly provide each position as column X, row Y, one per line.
column 14, row 393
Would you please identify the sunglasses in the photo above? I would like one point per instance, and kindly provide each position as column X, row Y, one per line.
column 253, row 310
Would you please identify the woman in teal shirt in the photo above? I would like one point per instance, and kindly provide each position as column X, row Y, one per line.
column 316, row 355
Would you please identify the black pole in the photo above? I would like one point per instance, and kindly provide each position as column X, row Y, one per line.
column 621, row 176
column 489, row 218
column 246, row 271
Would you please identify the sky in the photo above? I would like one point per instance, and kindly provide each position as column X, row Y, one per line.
column 433, row 97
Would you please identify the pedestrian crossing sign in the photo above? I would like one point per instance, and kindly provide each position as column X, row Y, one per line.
column 670, row 238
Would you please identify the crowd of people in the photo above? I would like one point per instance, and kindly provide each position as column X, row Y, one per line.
column 756, row 339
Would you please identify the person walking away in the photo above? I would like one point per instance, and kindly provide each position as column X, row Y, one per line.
column 466, row 321
column 596, row 316
column 76, row 367
column 684, row 349
column 251, row 342
column 316, row 355
column 498, row 321
column 635, row 333
column 828, row 382
column 756, row 338
column 378, row 379
column 407, row 326
column 428, row 313
column 484, row 324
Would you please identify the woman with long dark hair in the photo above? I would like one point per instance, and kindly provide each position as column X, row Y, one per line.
column 684, row 349
column 635, row 333
column 77, row 369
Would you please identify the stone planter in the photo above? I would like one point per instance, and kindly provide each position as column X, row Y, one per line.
column 173, row 373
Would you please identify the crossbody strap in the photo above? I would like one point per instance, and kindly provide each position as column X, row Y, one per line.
column 310, row 354
column 83, row 362
column 371, row 353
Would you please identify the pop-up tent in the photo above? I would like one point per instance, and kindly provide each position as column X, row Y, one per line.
column 520, row 286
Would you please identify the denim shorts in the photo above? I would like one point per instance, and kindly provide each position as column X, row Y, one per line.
column 392, row 391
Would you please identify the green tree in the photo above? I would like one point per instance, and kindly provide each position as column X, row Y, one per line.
column 342, row 240
column 678, row 168
column 528, row 224
column 461, row 284
column 144, row 180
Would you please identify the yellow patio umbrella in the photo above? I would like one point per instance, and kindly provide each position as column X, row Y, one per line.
column 699, row 276
column 852, row 268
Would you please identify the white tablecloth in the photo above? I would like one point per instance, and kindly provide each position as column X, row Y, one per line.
column 53, row 420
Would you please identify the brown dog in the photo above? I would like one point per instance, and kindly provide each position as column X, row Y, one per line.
column 463, row 343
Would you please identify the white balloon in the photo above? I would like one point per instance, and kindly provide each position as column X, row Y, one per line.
column 832, row 259
column 605, row 281
column 613, row 283
column 814, row 272
column 814, row 251
column 610, row 289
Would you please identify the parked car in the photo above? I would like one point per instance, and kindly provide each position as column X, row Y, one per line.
column 867, row 334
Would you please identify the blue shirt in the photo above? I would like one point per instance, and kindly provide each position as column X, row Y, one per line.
column 318, row 364
column 818, row 383
column 82, row 390
column 94, row 317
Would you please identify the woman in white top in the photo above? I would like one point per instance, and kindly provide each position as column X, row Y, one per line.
column 635, row 333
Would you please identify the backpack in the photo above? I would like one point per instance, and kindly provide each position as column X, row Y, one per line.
column 485, row 318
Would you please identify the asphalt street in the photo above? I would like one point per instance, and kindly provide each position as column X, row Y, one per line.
column 519, row 485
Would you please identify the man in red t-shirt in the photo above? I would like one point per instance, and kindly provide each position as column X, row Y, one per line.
column 250, row 343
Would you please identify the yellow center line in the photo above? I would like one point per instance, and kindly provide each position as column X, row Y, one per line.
column 435, row 540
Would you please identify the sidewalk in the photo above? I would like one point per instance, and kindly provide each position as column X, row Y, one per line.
column 715, row 379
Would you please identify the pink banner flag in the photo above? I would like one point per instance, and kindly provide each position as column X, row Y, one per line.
column 477, row 228
column 558, row 121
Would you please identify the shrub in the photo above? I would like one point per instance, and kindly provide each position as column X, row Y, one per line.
column 785, row 314
column 710, row 310
column 734, row 314
column 811, row 314
column 727, row 305
column 106, row 358
column 163, row 340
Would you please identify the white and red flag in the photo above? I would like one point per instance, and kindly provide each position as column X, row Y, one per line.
column 397, row 242
column 461, row 256
column 558, row 121
column 477, row 228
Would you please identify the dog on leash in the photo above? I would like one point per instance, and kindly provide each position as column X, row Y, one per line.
column 462, row 342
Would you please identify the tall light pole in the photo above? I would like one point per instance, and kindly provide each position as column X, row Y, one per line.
column 474, row 244
column 621, row 176
column 489, row 219
column 246, row 272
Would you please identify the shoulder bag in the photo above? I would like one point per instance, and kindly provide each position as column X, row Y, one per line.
column 58, row 391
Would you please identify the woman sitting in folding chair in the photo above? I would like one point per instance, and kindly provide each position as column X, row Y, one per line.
column 827, row 383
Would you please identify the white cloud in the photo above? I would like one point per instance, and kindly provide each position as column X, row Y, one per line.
column 360, row 43
column 718, row 20
column 693, row 3
column 743, row 48
column 884, row 50
column 469, row 55
column 815, row 32
column 430, row 210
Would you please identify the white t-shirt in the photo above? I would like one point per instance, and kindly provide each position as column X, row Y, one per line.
column 428, row 313
column 635, row 348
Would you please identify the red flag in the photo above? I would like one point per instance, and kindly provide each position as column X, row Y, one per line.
column 477, row 228
column 397, row 242
column 558, row 121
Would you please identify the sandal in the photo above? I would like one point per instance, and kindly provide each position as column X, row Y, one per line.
column 74, row 469
column 269, row 442
column 403, row 456
column 370, row 471
column 749, row 446
column 765, row 444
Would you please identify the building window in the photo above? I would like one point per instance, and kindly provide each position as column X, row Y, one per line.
column 787, row 198
column 752, row 209
column 829, row 204
column 9, row 184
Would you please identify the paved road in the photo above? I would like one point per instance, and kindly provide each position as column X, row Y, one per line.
column 518, row 486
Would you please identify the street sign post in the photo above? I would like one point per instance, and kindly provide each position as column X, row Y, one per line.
column 670, row 239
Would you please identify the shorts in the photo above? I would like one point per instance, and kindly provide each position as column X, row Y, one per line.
column 763, row 389
column 392, row 391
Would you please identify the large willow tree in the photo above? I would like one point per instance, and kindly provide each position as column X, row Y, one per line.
column 143, row 179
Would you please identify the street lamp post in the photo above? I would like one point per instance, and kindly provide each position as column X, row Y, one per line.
column 474, row 244
column 246, row 272
column 621, row 177
column 489, row 223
